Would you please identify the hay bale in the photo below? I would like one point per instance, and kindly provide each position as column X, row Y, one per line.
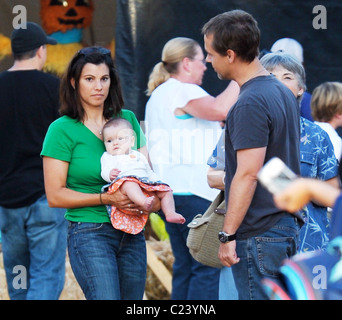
column 154, row 290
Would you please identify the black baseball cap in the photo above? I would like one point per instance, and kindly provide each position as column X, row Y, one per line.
column 32, row 37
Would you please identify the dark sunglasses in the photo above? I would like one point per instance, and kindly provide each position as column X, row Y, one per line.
column 91, row 50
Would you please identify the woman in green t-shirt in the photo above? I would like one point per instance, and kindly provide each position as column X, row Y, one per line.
column 107, row 263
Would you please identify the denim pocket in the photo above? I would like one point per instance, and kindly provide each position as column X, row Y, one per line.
column 272, row 251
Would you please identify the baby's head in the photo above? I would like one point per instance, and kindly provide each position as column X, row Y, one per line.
column 118, row 136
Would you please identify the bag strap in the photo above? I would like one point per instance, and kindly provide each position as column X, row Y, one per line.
column 220, row 211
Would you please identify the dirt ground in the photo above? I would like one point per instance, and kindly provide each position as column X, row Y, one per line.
column 71, row 290
column 154, row 289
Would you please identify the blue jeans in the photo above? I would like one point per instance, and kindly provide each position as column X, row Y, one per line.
column 107, row 263
column 227, row 288
column 34, row 249
column 191, row 280
column 261, row 256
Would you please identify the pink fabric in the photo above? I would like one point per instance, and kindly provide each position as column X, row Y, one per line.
column 124, row 220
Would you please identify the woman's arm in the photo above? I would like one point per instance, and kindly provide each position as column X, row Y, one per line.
column 303, row 190
column 334, row 182
column 211, row 108
column 216, row 178
column 58, row 195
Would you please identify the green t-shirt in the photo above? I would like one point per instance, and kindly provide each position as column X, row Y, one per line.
column 70, row 140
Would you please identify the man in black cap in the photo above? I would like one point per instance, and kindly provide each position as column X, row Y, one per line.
column 33, row 234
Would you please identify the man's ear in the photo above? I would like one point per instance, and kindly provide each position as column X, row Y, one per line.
column 40, row 51
column 231, row 55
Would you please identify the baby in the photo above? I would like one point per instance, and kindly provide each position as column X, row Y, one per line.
column 130, row 171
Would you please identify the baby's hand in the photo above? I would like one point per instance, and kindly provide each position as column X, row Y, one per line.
column 113, row 174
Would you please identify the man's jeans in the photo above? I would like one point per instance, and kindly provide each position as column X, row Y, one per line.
column 191, row 280
column 108, row 263
column 34, row 248
column 261, row 256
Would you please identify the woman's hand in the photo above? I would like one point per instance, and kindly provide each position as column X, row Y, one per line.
column 121, row 201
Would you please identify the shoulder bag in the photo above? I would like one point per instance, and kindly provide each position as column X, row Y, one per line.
column 202, row 239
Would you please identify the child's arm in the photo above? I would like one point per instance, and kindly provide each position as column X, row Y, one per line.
column 113, row 174
column 107, row 165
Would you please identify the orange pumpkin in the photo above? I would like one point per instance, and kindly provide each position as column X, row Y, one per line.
column 59, row 15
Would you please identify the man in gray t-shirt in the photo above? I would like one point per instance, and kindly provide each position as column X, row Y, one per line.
column 264, row 122
column 265, row 116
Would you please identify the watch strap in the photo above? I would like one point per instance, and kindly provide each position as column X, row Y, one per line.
column 225, row 237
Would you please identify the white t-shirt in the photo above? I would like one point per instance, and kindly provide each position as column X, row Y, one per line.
column 179, row 148
column 334, row 138
column 132, row 164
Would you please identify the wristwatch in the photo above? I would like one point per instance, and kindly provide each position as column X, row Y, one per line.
column 225, row 237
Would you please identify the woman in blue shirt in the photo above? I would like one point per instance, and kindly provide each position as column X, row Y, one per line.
column 316, row 151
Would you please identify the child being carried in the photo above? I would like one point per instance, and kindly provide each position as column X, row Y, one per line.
column 130, row 171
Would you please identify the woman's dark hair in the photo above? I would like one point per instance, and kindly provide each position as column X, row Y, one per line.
column 70, row 100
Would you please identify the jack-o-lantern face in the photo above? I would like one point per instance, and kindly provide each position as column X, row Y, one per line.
column 59, row 15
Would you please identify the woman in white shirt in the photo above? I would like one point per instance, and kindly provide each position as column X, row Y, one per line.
column 182, row 127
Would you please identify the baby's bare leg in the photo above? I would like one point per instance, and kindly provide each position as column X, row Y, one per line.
column 135, row 194
column 168, row 207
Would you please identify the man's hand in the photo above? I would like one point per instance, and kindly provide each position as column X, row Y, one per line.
column 227, row 254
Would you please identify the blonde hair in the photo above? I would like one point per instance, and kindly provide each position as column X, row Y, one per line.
column 174, row 51
column 326, row 101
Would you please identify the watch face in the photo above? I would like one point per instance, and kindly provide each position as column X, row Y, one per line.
column 223, row 237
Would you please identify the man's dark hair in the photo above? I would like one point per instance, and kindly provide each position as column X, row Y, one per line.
column 236, row 30
column 24, row 55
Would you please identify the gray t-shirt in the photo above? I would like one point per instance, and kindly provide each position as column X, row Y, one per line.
column 266, row 114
